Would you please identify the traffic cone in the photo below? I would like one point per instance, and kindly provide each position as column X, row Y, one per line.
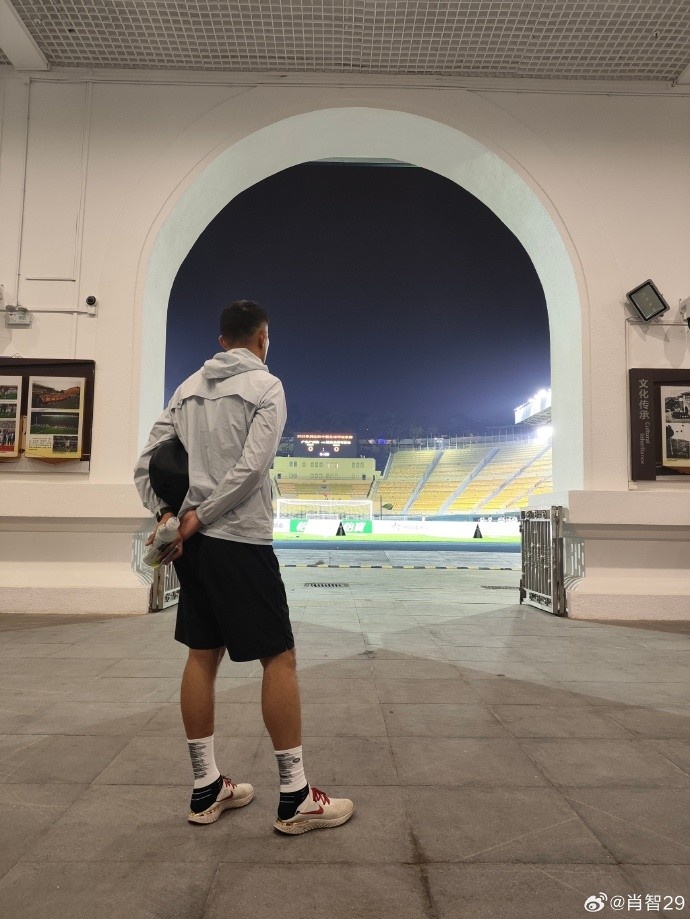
column 477, row 533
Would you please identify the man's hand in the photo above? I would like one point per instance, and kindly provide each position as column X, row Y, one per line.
column 174, row 550
column 152, row 534
column 189, row 525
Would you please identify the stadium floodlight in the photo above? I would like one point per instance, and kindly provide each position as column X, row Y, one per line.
column 647, row 300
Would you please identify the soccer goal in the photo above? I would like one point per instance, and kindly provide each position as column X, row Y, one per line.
column 294, row 509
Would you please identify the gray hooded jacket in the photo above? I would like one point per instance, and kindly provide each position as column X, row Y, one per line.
column 229, row 416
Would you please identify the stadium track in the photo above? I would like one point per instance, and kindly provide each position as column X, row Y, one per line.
column 363, row 546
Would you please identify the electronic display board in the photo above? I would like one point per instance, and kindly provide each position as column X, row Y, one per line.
column 329, row 446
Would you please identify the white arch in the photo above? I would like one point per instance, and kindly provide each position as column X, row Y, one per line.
column 382, row 133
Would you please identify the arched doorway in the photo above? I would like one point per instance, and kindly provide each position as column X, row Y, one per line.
column 357, row 133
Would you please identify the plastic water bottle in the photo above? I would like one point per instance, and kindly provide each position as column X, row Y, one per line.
column 165, row 534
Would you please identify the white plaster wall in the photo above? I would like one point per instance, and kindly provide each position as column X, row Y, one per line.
column 610, row 170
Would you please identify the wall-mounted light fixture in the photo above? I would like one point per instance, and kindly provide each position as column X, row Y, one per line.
column 647, row 300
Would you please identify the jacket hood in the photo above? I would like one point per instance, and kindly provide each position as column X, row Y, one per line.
column 227, row 364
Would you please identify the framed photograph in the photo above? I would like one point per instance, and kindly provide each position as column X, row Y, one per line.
column 10, row 416
column 46, row 412
column 675, row 404
column 56, row 417
column 659, row 424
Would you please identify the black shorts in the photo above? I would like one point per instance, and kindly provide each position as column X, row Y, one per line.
column 232, row 594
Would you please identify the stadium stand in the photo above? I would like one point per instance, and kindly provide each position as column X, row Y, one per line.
column 318, row 478
column 406, row 470
column 507, row 462
column 484, row 477
column 535, row 480
column 453, row 468
column 479, row 477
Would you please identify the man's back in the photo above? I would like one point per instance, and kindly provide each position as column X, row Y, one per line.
column 229, row 416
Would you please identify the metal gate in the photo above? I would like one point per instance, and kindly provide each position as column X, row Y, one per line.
column 542, row 582
column 165, row 589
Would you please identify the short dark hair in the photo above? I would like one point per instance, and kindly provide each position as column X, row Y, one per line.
column 240, row 320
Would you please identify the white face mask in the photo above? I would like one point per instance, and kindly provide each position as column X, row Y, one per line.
column 266, row 351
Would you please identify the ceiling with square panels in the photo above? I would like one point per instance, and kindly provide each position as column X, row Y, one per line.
column 552, row 39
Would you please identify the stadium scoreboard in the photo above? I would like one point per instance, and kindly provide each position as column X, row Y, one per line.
column 329, row 446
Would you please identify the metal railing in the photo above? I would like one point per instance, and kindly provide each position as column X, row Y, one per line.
column 542, row 583
column 522, row 434
column 165, row 590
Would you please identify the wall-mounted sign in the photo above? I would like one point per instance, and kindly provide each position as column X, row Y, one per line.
column 659, row 424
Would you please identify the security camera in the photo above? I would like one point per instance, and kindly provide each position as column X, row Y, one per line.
column 91, row 300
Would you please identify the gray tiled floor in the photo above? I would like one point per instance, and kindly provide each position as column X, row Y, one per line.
column 456, row 558
column 503, row 762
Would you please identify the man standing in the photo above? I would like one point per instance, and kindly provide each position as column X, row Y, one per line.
column 229, row 416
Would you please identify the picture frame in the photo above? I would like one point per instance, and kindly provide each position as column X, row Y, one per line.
column 659, row 424
column 55, row 409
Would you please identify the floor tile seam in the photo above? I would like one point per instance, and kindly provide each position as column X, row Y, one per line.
column 420, row 859
column 391, row 751
column 559, row 880
column 630, row 733
column 628, row 874
column 585, row 704
column 650, row 785
column 110, row 762
column 351, row 862
column 4, row 759
column 118, row 662
column 571, row 861
column 430, row 904
column 489, row 708
column 211, row 887
column 48, row 827
column 542, row 829
column 637, row 740
column 627, row 822
column 645, row 741
column 555, row 708
column 554, row 786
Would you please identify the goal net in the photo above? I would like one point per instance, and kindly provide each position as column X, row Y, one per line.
column 294, row 509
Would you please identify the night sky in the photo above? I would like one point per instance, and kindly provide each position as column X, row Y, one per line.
column 398, row 303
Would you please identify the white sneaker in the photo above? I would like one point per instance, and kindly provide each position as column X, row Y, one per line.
column 230, row 795
column 316, row 812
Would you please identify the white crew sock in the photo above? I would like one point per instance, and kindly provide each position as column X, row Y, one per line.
column 203, row 761
column 291, row 769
